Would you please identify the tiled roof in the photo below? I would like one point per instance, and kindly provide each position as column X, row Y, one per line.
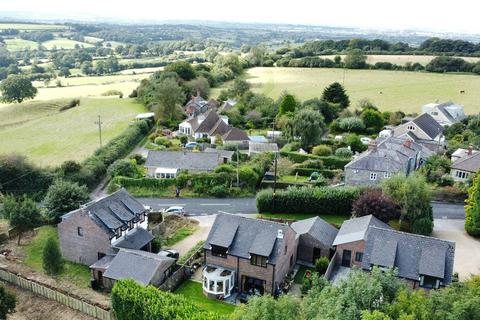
column 379, row 160
column 113, row 211
column 469, row 164
column 221, row 152
column 201, row 161
column 411, row 254
column 211, row 120
column 259, row 147
column 318, row 228
column 356, row 229
column 138, row 265
column 428, row 125
column 246, row 236
column 137, row 239
column 235, row 134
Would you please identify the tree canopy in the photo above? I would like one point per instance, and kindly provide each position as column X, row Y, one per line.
column 7, row 303
column 472, row 209
column 308, row 125
column 62, row 197
column 335, row 93
column 17, row 88
column 23, row 215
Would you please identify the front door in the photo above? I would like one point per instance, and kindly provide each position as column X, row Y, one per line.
column 317, row 253
column 100, row 278
column 346, row 258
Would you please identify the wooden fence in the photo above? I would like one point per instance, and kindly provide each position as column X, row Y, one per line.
column 64, row 298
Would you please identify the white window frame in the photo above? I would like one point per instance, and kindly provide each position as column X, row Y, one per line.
column 387, row 175
column 373, row 176
column 411, row 127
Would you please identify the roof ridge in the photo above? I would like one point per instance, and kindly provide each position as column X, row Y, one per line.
column 412, row 234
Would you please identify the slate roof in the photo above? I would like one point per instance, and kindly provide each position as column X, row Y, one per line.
column 259, row 147
column 469, row 164
column 383, row 160
column 104, row 262
column 413, row 255
column 182, row 160
column 246, row 236
column 137, row 239
column 317, row 228
column 113, row 211
column 212, row 121
column 235, row 134
column 428, row 125
column 356, row 229
column 221, row 152
column 138, row 265
column 446, row 113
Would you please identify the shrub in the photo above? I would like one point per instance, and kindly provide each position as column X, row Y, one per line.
column 219, row 192
column 330, row 162
column 351, row 124
column 72, row 104
column 7, row 302
column 446, row 180
column 142, row 182
column 322, row 150
column 312, row 163
column 355, row 143
column 422, row 226
column 161, row 141
column 472, row 209
column 113, row 93
column 343, row 153
column 63, row 197
column 132, row 301
column 124, row 167
column 321, row 265
column 320, row 181
column 325, row 200
column 376, row 203
column 52, row 258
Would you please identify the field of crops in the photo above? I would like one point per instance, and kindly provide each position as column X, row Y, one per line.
column 389, row 90
column 49, row 136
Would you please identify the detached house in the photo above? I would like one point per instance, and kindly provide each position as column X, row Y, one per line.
column 424, row 130
column 445, row 114
column 211, row 125
column 103, row 227
column 248, row 255
column 198, row 105
column 367, row 242
column 385, row 158
column 465, row 168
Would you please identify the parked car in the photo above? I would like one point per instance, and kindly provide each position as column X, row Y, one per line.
column 169, row 253
column 365, row 140
column 175, row 210
column 191, row 145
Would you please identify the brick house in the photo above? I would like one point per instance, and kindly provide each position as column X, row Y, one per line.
column 315, row 240
column 247, row 255
column 102, row 227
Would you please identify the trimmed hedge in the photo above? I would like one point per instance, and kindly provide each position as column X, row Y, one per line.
column 143, row 182
column 131, row 301
column 330, row 162
column 327, row 173
column 324, row 200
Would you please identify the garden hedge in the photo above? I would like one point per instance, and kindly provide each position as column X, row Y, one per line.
column 324, row 200
column 330, row 162
column 143, row 182
column 327, row 173
column 131, row 301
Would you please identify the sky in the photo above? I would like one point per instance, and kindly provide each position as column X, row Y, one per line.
column 428, row 15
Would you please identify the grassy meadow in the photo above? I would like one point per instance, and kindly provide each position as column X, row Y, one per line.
column 48, row 136
column 32, row 26
column 18, row 44
column 62, row 43
column 401, row 59
column 389, row 90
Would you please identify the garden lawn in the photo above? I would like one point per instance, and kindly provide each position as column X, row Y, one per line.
column 389, row 90
column 293, row 179
column 194, row 293
column 75, row 273
column 330, row 218
column 48, row 137
column 180, row 234
column 298, row 279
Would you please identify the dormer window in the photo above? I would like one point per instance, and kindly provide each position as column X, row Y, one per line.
column 259, row 261
column 219, row 251
column 429, row 282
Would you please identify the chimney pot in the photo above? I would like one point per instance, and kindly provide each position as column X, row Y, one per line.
column 408, row 143
column 372, row 145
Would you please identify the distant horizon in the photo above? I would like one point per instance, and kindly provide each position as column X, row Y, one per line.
column 412, row 15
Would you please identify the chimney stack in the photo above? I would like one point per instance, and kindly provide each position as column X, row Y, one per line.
column 372, row 145
column 470, row 150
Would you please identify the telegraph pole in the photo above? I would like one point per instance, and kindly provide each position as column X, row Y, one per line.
column 99, row 122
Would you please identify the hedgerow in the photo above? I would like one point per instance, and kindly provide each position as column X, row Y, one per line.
column 324, row 200
column 330, row 162
column 131, row 301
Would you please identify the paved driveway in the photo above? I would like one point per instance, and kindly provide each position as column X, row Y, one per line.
column 467, row 249
column 443, row 210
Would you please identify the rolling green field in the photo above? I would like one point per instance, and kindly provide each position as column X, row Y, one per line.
column 20, row 44
column 32, row 26
column 401, row 59
column 49, row 137
column 62, row 43
column 389, row 90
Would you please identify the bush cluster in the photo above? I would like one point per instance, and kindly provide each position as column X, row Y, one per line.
column 324, row 200
column 131, row 301
column 330, row 162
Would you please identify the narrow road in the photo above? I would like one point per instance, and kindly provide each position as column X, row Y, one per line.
column 208, row 206
column 204, row 206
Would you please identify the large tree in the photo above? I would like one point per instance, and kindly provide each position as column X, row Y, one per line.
column 355, row 59
column 308, row 125
column 24, row 215
column 183, row 69
column 17, row 88
column 472, row 209
column 376, row 203
column 169, row 95
column 200, row 86
column 372, row 119
column 7, row 303
column 287, row 104
column 286, row 307
column 335, row 93
column 62, row 197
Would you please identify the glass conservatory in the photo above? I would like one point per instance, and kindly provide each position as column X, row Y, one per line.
column 218, row 281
